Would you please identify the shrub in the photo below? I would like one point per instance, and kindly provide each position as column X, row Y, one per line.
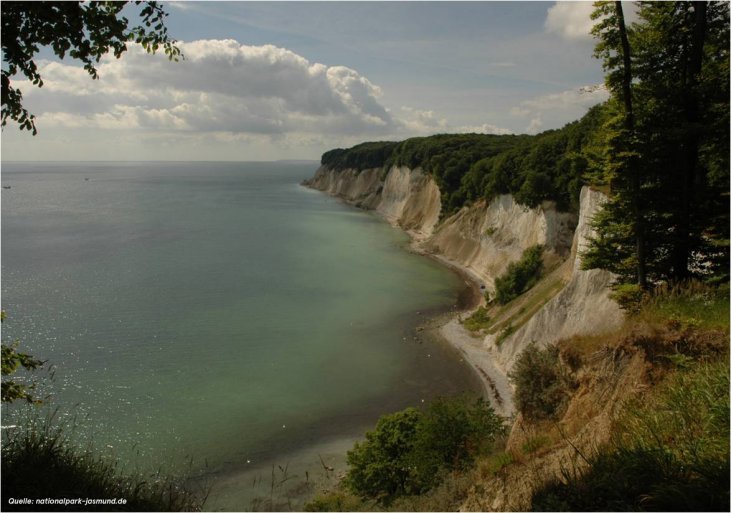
column 629, row 296
column 493, row 464
column 381, row 465
column 520, row 276
column 543, row 384
column 478, row 320
column 451, row 433
column 410, row 451
column 505, row 333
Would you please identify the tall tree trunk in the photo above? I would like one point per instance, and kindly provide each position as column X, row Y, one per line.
column 683, row 246
column 634, row 168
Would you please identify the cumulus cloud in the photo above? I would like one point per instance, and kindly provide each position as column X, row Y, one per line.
column 420, row 122
column 570, row 20
column 220, row 86
column 227, row 91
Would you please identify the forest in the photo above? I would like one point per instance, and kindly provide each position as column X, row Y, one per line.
column 659, row 147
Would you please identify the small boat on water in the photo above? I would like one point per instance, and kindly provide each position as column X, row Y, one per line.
column 6, row 187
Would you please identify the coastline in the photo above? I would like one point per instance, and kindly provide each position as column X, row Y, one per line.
column 447, row 327
column 495, row 383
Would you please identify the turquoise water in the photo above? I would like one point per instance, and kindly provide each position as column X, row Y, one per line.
column 217, row 313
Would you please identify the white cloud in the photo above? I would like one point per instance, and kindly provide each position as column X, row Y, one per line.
column 226, row 91
column 570, row 20
column 535, row 125
column 484, row 128
column 560, row 107
column 220, row 86
column 421, row 122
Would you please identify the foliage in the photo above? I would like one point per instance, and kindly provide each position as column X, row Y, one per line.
column 520, row 276
column 690, row 303
column 12, row 360
column 468, row 167
column 85, row 31
column 40, row 461
column 409, row 451
column 366, row 155
column 505, row 333
column 543, row 384
column 665, row 143
column 629, row 296
column 478, row 320
column 380, row 466
column 671, row 454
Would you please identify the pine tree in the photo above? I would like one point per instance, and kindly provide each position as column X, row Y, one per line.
column 666, row 142
column 623, row 221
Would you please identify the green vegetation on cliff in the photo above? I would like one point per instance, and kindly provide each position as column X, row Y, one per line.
column 519, row 276
column 412, row 451
column 636, row 420
column 467, row 167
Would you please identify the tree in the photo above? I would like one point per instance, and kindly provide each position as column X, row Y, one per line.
column 380, row 466
column 543, row 384
column 666, row 142
column 409, row 451
column 85, row 31
column 623, row 156
column 682, row 67
column 12, row 360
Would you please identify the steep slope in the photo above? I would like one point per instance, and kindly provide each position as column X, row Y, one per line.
column 481, row 240
column 582, row 307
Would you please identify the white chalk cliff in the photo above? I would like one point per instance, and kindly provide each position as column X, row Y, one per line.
column 482, row 240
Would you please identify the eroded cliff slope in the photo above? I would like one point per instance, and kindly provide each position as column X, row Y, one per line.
column 482, row 240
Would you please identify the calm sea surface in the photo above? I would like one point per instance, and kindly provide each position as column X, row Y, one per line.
column 216, row 313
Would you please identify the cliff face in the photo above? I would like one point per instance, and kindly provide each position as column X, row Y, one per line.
column 406, row 198
column 582, row 307
column 482, row 240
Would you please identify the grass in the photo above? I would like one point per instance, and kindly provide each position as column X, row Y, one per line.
column 41, row 461
column 671, row 452
column 692, row 305
column 493, row 464
column 505, row 333
column 520, row 310
column 535, row 443
column 479, row 320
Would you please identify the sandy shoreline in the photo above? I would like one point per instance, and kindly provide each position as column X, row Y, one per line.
column 495, row 383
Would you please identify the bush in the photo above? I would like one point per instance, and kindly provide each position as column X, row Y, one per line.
column 381, row 466
column 543, row 384
column 478, row 320
column 629, row 296
column 671, row 454
column 520, row 276
column 410, row 451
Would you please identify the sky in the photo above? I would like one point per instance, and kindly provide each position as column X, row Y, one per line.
column 290, row 80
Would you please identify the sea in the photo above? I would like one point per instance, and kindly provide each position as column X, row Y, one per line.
column 217, row 320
